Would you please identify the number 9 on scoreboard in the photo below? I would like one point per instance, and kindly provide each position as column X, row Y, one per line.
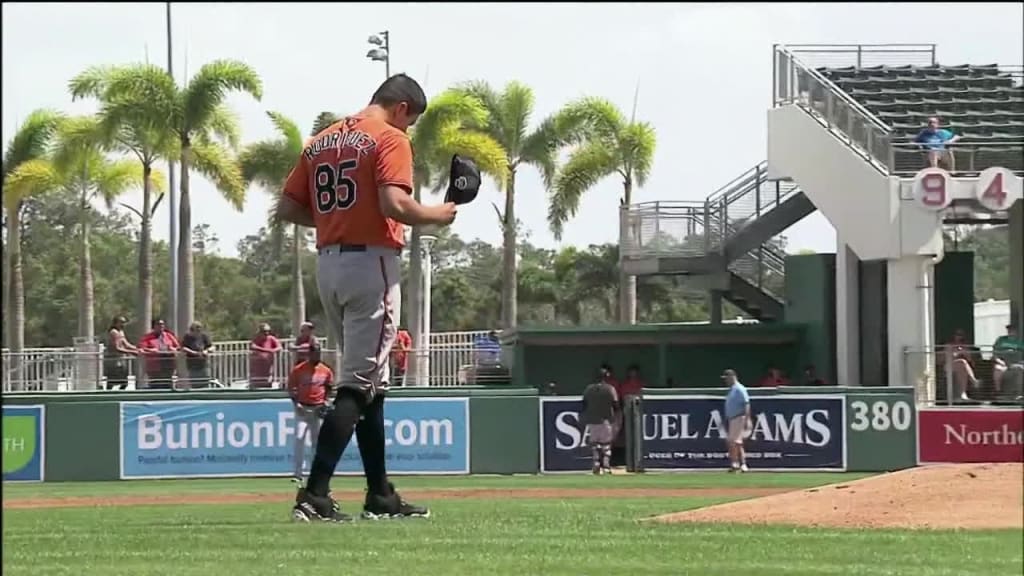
column 997, row 188
column 933, row 189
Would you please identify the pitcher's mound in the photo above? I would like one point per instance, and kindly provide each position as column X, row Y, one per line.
column 941, row 496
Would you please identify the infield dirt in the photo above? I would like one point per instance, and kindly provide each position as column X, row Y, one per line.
column 948, row 496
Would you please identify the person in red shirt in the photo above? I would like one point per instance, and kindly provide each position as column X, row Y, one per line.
column 633, row 385
column 309, row 385
column 774, row 378
column 159, row 347
column 303, row 342
column 263, row 350
column 400, row 355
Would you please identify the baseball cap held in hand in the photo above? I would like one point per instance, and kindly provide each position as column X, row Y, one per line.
column 463, row 180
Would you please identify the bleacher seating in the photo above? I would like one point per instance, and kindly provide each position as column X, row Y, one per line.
column 981, row 104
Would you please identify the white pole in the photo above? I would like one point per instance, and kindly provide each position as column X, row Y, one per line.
column 172, row 207
column 423, row 375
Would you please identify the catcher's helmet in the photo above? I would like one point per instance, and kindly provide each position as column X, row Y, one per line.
column 463, row 180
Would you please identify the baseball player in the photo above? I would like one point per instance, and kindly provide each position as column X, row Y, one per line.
column 309, row 386
column 600, row 402
column 737, row 414
column 353, row 183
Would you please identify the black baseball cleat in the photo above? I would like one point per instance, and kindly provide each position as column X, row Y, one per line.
column 311, row 508
column 378, row 507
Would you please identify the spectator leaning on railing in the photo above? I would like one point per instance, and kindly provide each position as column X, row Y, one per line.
column 264, row 347
column 197, row 347
column 1008, row 353
column 159, row 347
column 934, row 139
column 118, row 354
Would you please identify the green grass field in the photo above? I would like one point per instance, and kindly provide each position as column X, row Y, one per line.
column 520, row 537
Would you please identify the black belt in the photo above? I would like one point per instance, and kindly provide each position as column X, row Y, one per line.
column 351, row 248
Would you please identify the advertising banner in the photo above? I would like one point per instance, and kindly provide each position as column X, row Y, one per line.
column 562, row 442
column 257, row 438
column 970, row 435
column 24, row 443
column 787, row 433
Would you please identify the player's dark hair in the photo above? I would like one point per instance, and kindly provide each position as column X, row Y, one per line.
column 401, row 88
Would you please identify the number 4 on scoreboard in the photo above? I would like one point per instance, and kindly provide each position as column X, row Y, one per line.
column 995, row 188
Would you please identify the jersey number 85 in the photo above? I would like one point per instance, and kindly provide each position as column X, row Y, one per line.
column 334, row 189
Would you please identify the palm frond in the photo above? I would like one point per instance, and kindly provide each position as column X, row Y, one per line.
column 224, row 126
column 216, row 163
column 267, row 164
column 288, row 129
column 30, row 178
column 79, row 141
column 112, row 179
column 208, row 88
column 587, row 165
column 597, row 117
column 637, row 143
column 32, row 139
column 515, row 107
column 491, row 100
column 92, row 82
column 142, row 96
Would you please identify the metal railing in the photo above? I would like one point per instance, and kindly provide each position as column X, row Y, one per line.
column 967, row 158
column 796, row 81
column 864, row 55
column 694, row 229
column 949, row 374
column 452, row 359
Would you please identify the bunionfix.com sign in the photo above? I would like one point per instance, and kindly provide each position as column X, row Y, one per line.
column 257, row 438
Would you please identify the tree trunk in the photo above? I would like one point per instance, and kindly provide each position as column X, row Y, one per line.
column 86, row 302
column 145, row 289
column 186, row 278
column 16, row 292
column 627, row 284
column 415, row 291
column 509, row 286
column 298, row 290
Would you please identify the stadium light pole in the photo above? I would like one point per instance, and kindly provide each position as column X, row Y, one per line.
column 423, row 357
column 172, row 205
column 382, row 52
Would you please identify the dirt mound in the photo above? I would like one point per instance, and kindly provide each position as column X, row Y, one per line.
column 938, row 497
column 485, row 493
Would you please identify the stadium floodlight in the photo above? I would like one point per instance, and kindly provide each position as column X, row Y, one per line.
column 383, row 53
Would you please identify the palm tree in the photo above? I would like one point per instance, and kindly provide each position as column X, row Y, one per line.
column 453, row 124
column 323, row 120
column 268, row 163
column 610, row 145
column 21, row 161
column 206, row 132
column 508, row 124
column 149, row 141
column 80, row 170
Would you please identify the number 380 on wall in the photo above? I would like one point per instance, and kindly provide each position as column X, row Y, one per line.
column 996, row 189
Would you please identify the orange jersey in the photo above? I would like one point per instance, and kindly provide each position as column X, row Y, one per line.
column 309, row 385
column 338, row 177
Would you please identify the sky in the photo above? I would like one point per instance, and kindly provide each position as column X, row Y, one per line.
column 704, row 73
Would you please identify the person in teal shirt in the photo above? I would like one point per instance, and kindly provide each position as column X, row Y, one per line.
column 934, row 139
column 1007, row 352
column 737, row 416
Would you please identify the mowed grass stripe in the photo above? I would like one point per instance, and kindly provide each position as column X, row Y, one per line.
column 494, row 537
column 716, row 479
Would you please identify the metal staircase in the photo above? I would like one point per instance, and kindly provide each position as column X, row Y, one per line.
column 726, row 240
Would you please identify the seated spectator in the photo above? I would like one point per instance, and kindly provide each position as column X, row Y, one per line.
column 773, row 378
column 264, row 347
column 159, row 347
column 633, row 385
column 400, row 356
column 197, row 346
column 303, row 342
column 487, row 349
column 811, row 377
column 934, row 139
column 960, row 355
column 117, row 355
column 1007, row 351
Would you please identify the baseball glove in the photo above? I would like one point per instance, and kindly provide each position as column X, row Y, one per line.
column 463, row 180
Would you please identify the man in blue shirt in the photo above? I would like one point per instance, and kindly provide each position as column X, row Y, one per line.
column 737, row 415
column 934, row 139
